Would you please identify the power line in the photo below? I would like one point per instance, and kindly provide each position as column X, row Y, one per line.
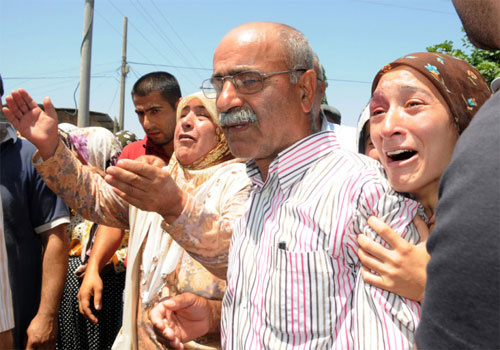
column 129, row 43
column 176, row 34
column 349, row 81
column 113, row 99
column 53, row 78
column 137, row 75
column 149, row 18
column 403, row 7
column 170, row 66
column 108, row 22
column 150, row 43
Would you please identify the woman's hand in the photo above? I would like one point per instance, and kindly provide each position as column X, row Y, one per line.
column 91, row 288
column 400, row 269
column 36, row 125
column 80, row 271
column 140, row 182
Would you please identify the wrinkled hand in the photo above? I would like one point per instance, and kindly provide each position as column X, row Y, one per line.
column 91, row 287
column 183, row 318
column 400, row 269
column 152, row 160
column 147, row 187
column 42, row 333
column 39, row 127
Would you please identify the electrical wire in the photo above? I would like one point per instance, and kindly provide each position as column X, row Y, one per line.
column 176, row 34
column 403, row 7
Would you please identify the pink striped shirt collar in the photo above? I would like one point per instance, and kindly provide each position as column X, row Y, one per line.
column 294, row 161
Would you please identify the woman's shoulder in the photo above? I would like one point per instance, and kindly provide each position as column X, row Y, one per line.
column 233, row 167
column 230, row 176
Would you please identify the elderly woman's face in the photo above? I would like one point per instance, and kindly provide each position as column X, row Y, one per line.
column 194, row 133
column 412, row 131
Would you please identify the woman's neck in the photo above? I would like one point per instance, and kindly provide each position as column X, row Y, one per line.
column 429, row 199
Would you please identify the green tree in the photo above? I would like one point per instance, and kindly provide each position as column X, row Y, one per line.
column 487, row 62
column 324, row 100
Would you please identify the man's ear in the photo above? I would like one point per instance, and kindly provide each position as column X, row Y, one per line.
column 177, row 103
column 307, row 85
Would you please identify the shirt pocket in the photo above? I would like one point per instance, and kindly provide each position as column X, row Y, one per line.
column 301, row 293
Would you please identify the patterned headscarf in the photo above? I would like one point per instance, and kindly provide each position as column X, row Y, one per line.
column 97, row 146
column 125, row 137
column 460, row 84
column 221, row 152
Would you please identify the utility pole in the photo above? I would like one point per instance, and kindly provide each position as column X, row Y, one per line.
column 86, row 54
column 124, row 72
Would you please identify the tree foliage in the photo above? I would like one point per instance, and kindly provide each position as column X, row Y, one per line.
column 324, row 100
column 487, row 62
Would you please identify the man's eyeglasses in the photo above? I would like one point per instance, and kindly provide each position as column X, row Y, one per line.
column 246, row 82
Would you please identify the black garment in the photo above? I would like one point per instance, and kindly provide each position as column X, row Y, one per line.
column 75, row 331
column 461, row 305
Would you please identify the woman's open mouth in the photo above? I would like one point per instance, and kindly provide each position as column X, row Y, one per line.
column 186, row 137
column 400, row 154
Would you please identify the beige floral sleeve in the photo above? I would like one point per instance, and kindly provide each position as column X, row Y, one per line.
column 82, row 189
column 205, row 235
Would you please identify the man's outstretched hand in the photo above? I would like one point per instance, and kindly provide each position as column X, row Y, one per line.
column 185, row 317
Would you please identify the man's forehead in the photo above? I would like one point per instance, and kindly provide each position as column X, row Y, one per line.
column 251, row 35
column 148, row 106
column 250, row 49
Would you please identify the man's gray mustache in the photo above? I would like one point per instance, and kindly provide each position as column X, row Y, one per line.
column 237, row 116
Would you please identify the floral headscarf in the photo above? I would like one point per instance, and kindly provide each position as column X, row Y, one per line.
column 97, row 146
column 221, row 152
column 459, row 83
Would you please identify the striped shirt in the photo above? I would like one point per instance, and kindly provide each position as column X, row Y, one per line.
column 294, row 275
column 6, row 308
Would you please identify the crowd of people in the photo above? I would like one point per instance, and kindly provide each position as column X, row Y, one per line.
column 243, row 221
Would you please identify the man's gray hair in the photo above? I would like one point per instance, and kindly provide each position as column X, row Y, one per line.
column 318, row 68
column 298, row 53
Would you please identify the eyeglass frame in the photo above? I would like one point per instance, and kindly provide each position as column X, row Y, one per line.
column 209, row 92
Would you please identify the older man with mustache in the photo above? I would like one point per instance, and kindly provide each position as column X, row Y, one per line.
column 293, row 272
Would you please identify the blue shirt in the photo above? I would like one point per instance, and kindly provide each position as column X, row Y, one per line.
column 30, row 208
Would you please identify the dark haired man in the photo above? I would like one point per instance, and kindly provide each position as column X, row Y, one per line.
column 155, row 97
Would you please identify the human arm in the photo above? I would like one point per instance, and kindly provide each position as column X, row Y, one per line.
column 383, row 319
column 205, row 233
column 78, row 185
column 6, row 307
column 401, row 268
column 42, row 331
column 6, row 340
column 107, row 240
column 37, row 126
column 7, row 316
column 185, row 317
